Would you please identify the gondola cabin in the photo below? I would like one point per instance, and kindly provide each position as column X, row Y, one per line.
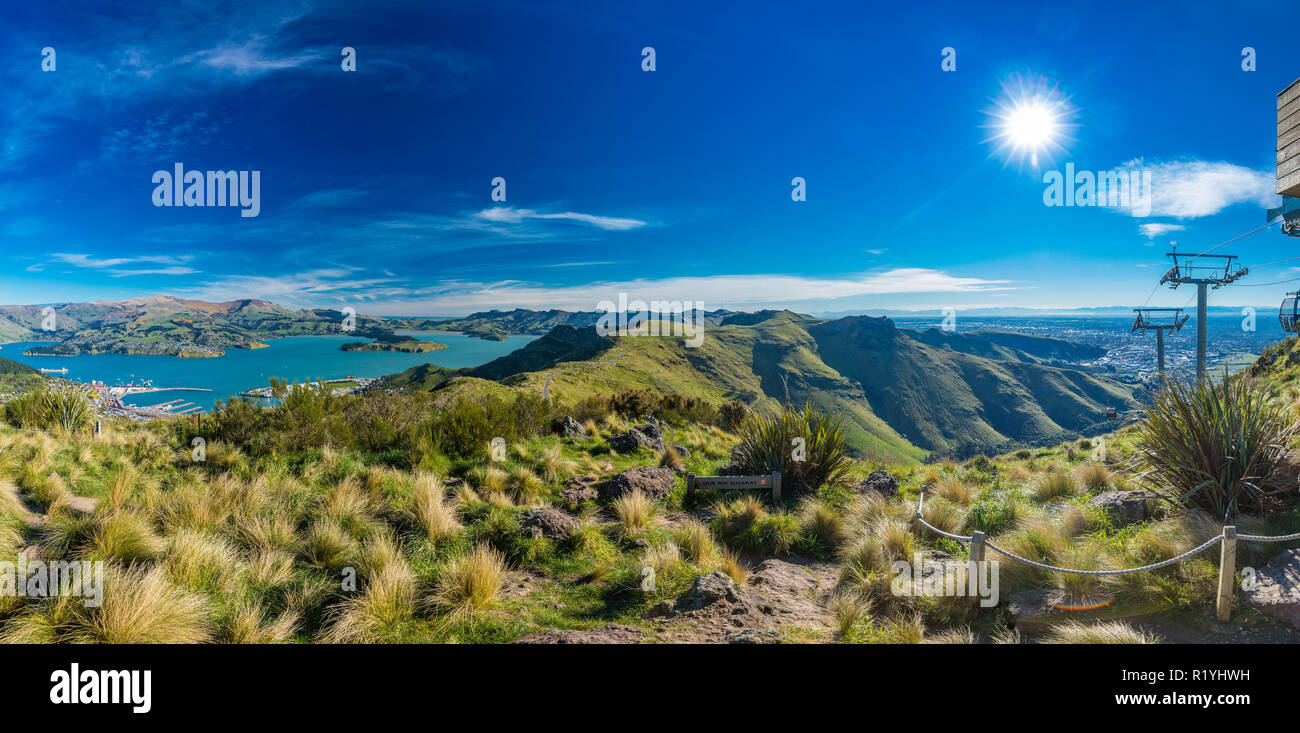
column 1287, row 314
column 1111, row 414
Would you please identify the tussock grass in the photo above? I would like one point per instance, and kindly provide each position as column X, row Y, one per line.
column 733, row 567
column 525, row 484
column 141, row 606
column 249, row 624
column 202, row 562
column 329, row 546
column 470, row 582
column 1112, row 632
column 636, row 513
column 662, row 558
column 954, row 490
column 1094, row 477
column 697, row 543
column 1055, row 485
column 431, row 511
column 388, row 600
column 823, row 522
column 125, row 536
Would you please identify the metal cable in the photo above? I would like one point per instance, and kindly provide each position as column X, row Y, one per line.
column 1125, row 571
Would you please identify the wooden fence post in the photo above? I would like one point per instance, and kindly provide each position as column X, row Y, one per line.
column 974, row 573
column 776, row 486
column 1227, row 574
column 690, row 485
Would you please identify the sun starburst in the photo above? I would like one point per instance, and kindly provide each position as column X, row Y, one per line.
column 1030, row 121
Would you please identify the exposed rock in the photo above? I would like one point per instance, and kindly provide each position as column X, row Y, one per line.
column 753, row 636
column 651, row 430
column 642, row 436
column 707, row 590
column 570, row 428
column 575, row 494
column 654, row 481
column 544, row 521
column 881, row 482
column 1124, row 507
column 1276, row 590
column 580, row 489
column 607, row 634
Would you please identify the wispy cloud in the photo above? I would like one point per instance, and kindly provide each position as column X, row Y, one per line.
column 511, row 215
column 394, row 297
column 84, row 260
column 1157, row 229
column 252, row 57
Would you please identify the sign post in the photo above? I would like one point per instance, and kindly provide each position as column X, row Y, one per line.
column 733, row 483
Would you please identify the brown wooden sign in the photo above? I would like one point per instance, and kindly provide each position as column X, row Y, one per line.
column 771, row 481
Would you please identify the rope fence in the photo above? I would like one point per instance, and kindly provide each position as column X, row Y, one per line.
column 1227, row 560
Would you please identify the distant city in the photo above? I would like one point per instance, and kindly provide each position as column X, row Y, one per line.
column 1133, row 355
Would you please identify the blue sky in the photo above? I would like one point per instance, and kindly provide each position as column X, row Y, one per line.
column 675, row 184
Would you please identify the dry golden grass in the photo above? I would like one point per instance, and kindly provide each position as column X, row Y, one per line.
column 140, row 606
column 636, row 513
column 1094, row 477
column 1112, row 632
column 430, row 509
column 955, row 491
column 697, row 542
column 388, row 599
column 470, row 582
column 248, row 624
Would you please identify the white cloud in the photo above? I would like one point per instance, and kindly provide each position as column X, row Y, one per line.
column 251, row 58
column 511, row 215
column 80, row 260
column 1157, row 229
column 1188, row 189
column 390, row 297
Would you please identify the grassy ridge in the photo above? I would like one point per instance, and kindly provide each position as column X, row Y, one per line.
column 887, row 382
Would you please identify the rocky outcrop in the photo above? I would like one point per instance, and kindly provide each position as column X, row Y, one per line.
column 580, row 489
column 1124, row 507
column 552, row 524
column 881, row 482
column 653, row 481
column 641, row 436
column 1275, row 590
column 570, row 428
column 607, row 634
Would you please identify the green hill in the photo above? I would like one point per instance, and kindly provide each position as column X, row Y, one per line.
column 903, row 393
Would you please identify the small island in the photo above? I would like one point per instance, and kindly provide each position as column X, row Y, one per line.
column 408, row 345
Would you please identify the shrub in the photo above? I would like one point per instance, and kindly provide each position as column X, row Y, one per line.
column 47, row 408
column 1221, row 447
column 767, row 442
column 732, row 413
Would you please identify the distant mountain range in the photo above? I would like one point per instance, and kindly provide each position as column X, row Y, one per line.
column 903, row 393
column 165, row 325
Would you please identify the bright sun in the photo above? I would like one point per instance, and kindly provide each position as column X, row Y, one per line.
column 1032, row 125
column 1029, row 120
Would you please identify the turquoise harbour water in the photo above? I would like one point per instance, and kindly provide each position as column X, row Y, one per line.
column 297, row 359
